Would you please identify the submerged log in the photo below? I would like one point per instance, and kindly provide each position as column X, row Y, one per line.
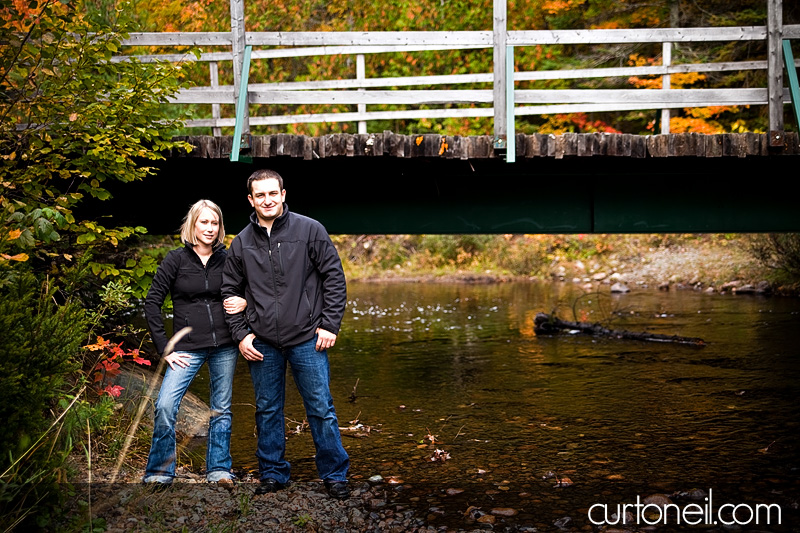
column 545, row 324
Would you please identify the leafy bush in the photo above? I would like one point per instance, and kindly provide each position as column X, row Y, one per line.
column 38, row 350
column 780, row 252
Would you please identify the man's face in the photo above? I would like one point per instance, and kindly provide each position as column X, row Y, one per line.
column 267, row 198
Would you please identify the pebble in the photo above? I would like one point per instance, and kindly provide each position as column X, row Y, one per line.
column 503, row 511
column 620, row 287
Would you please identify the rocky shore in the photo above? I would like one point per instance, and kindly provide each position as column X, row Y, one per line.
column 191, row 504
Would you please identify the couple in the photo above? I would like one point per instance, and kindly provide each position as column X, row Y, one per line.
column 284, row 297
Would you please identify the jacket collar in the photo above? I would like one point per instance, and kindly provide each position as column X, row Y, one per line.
column 280, row 221
column 189, row 247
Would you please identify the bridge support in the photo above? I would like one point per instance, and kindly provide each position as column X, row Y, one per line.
column 775, row 71
column 239, row 43
column 500, row 38
column 791, row 73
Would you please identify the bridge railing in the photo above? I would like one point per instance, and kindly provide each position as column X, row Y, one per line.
column 363, row 92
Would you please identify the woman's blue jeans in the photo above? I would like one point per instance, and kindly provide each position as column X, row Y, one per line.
column 312, row 376
column 221, row 366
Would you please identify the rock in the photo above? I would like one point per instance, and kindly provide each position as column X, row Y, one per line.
column 710, row 290
column 745, row 289
column 192, row 417
column 563, row 523
column 503, row 511
column 730, row 285
column 663, row 286
column 487, row 519
column 600, row 276
column 660, row 500
column 620, row 288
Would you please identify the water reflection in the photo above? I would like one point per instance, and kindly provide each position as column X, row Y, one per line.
column 617, row 418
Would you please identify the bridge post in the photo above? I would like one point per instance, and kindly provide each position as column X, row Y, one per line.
column 239, row 42
column 775, row 71
column 500, row 37
column 666, row 84
column 361, row 75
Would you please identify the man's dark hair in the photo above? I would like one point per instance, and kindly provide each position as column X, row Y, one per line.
column 263, row 174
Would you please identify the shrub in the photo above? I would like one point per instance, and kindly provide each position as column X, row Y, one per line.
column 38, row 350
column 780, row 252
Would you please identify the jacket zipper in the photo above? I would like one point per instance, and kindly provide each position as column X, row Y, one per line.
column 274, row 287
column 208, row 307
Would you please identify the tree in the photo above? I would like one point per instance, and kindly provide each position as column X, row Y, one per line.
column 71, row 120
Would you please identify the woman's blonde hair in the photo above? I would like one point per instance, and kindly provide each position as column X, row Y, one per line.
column 187, row 228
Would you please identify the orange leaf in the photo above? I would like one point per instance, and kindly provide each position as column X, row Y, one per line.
column 101, row 343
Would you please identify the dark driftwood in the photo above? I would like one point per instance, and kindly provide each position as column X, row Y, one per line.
column 545, row 324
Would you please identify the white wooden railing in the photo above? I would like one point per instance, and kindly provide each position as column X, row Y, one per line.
column 363, row 92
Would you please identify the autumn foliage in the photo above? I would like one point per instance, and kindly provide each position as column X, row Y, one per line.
column 110, row 358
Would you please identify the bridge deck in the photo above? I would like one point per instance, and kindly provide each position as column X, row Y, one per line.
column 481, row 147
column 389, row 183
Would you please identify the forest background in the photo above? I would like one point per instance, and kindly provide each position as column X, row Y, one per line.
column 460, row 15
column 68, row 283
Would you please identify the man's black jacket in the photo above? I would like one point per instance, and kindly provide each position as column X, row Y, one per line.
column 292, row 280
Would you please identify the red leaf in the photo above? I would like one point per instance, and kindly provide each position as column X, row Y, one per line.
column 114, row 390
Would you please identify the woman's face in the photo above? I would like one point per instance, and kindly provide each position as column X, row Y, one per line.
column 206, row 229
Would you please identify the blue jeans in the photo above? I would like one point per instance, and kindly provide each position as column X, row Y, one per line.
column 312, row 376
column 221, row 366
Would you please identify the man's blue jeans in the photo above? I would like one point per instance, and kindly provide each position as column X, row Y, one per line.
column 221, row 366
column 312, row 376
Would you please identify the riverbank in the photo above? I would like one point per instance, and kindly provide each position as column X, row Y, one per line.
column 192, row 504
column 707, row 262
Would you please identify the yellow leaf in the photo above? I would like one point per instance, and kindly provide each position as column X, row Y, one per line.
column 418, row 140
column 14, row 234
column 17, row 257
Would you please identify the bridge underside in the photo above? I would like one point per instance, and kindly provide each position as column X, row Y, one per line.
column 381, row 195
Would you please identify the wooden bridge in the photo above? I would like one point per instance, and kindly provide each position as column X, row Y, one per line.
column 573, row 183
column 380, row 182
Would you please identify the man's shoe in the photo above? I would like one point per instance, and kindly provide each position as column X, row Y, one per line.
column 338, row 489
column 269, row 485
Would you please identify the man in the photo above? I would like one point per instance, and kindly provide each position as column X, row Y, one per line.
column 288, row 270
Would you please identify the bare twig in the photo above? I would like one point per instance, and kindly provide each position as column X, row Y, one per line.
column 143, row 403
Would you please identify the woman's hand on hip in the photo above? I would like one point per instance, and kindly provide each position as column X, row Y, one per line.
column 180, row 359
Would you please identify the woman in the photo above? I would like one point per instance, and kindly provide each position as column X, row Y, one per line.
column 193, row 275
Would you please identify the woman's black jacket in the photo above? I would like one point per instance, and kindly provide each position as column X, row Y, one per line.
column 196, row 299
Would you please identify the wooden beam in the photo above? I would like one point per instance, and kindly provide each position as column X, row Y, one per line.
column 380, row 38
column 238, row 40
column 775, row 71
column 639, row 35
column 447, row 39
column 499, row 41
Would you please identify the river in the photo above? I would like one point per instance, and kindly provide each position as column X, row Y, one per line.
column 539, row 432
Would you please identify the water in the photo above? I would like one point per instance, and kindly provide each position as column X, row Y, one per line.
column 517, row 413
